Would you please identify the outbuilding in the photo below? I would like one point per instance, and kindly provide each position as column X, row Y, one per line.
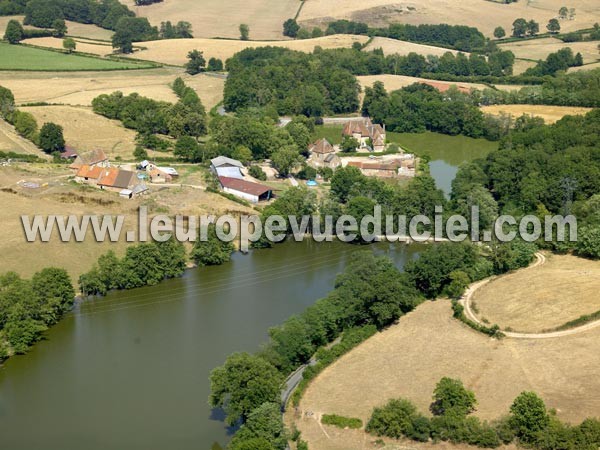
column 253, row 192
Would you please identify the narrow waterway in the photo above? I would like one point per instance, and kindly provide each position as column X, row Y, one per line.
column 130, row 371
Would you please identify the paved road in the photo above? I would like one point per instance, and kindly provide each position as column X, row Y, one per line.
column 293, row 381
column 540, row 259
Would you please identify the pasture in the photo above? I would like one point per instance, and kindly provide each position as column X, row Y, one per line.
column 80, row 88
column 536, row 49
column 84, row 46
column 550, row 114
column 409, row 358
column 485, row 15
column 221, row 19
column 394, row 46
column 84, row 30
column 543, row 297
column 174, row 51
column 20, row 57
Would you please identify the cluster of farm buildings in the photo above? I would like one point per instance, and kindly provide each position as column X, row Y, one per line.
column 94, row 168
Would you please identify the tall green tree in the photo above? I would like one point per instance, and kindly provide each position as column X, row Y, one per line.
column 51, row 138
column 196, row 62
column 528, row 416
column 212, row 251
column 520, row 27
column 291, row 28
column 244, row 32
column 60, row 28
column 14, row 32
column 499, row 33
column 451, row 397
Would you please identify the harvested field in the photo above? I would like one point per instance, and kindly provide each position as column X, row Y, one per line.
column 85, row 130
column 543, row 297
column 536, row 49
column 395, row 82
column 174, row 51
column 591, row 66
column 222, row 19
column 521, row 65
column 408, row 359
column 550, row 114
column 82, row 88
column 393, row 46
column 482, row 14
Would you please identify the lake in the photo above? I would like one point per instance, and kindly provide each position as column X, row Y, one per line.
column 130, row 371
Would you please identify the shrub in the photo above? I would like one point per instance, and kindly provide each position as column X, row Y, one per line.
column 341, row 421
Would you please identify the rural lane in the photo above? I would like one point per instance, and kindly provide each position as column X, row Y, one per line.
column 540, row 259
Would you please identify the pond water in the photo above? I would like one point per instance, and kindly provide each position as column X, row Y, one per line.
column 130, row 371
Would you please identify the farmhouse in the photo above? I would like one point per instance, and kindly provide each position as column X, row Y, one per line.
column 69, row 153
column 370, row 136
column 94, row 158
column 88, row 174
column 113, row 179
column 253, row 192
column 322, row 154
column 223, row 166
column 402, row 167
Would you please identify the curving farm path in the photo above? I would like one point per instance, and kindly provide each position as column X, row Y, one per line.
column 540, row 259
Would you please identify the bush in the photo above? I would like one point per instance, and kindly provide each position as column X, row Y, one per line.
column 341, row 421
column 257, row 172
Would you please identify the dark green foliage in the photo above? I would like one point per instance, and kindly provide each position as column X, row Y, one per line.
column 243, row 384
column 561, row 60
column 291, row 28
column 187, row 148
column 399, row 418
column 132, row 29
column 212, row 251
column 196, row 62
column 181, row 30
column 588, row 243
column 51, row 138
column 528, row 416
column 214, row 65
column 14, row 32
column 451, row 397
column 257, row 172
column 263, row 424
column 25, row 124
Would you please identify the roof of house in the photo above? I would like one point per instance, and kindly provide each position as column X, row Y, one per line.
column 358, row 127
column 69, row 152
column 113, row 177
column 322, row 146
column 90, row 158
column 224, row 160
column 375, row 165
column 86, row 171
column 156, row 172
column 244, row 186
column 231, row 172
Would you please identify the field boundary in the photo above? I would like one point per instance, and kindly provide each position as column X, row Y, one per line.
column 540, row 260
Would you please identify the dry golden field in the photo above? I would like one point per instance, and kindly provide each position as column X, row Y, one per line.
column 80, row 88
column 536, row 49
column 93, row 47
column 174, row 51
column 521, row 65
column 482, row 14
column 395, row 82
column 393, row 46
column 85, row 130
column 73, row 29
column 550, row 114
column 222, row 19
column 408, row 359
column 60, row 196
column 10, row 141
column 543, row 297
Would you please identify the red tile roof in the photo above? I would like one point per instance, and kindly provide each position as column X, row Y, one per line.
column 244, row 186
column 86, row 171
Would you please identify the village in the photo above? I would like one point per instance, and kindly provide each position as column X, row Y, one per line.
column 129, row 180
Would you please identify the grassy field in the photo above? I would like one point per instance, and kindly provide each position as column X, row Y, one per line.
column 536, row 49
column 408, row 359
column 85, row 130
column 550, row 114
column 84, row 46
column 80, row 88
column 10, row 141
column 544, row 297
column 73, row 28
column 482, row 14
column 393, row 46
column 222, row 19
column 174, row 51
column 19, row 57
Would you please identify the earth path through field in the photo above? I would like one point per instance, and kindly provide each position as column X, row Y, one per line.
column 540, row 259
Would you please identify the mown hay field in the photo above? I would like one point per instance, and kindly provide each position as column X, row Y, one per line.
column 485, row 15
column 394, row 46
column 85, row 130
column 409, row 358
column 536, row 49
column 222, row 19
column 80, row 88
column 395, row 82
column 20, row 57
column 83, row 46
column 174, row 51
column 550, row 114
column 543, row 297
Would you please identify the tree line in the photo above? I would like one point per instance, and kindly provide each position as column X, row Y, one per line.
column 29, row 306
column 529, row 422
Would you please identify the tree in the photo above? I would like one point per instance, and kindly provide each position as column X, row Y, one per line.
column 55, row 293
column 215, row 65
column 51, row 138
column 69, row 44
column 264, row 422
column 196, row 62
column 528, row 416
column 553, row 26
column 533, row 28
column 343, row 181
column 459, row 281
column 291, row 28
column 212, row 251
column 563, row 12
column 499, row 33
column 257, row 172
column 349, row 144
column 123, row 40
column 285, row 159
column 25, row 124
column 60, row 28
column 450, row 396
column 244, row 32
column 243, row 384
column 14, row 32
column 588, row 243
column 186, row 148
column 520, row 27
